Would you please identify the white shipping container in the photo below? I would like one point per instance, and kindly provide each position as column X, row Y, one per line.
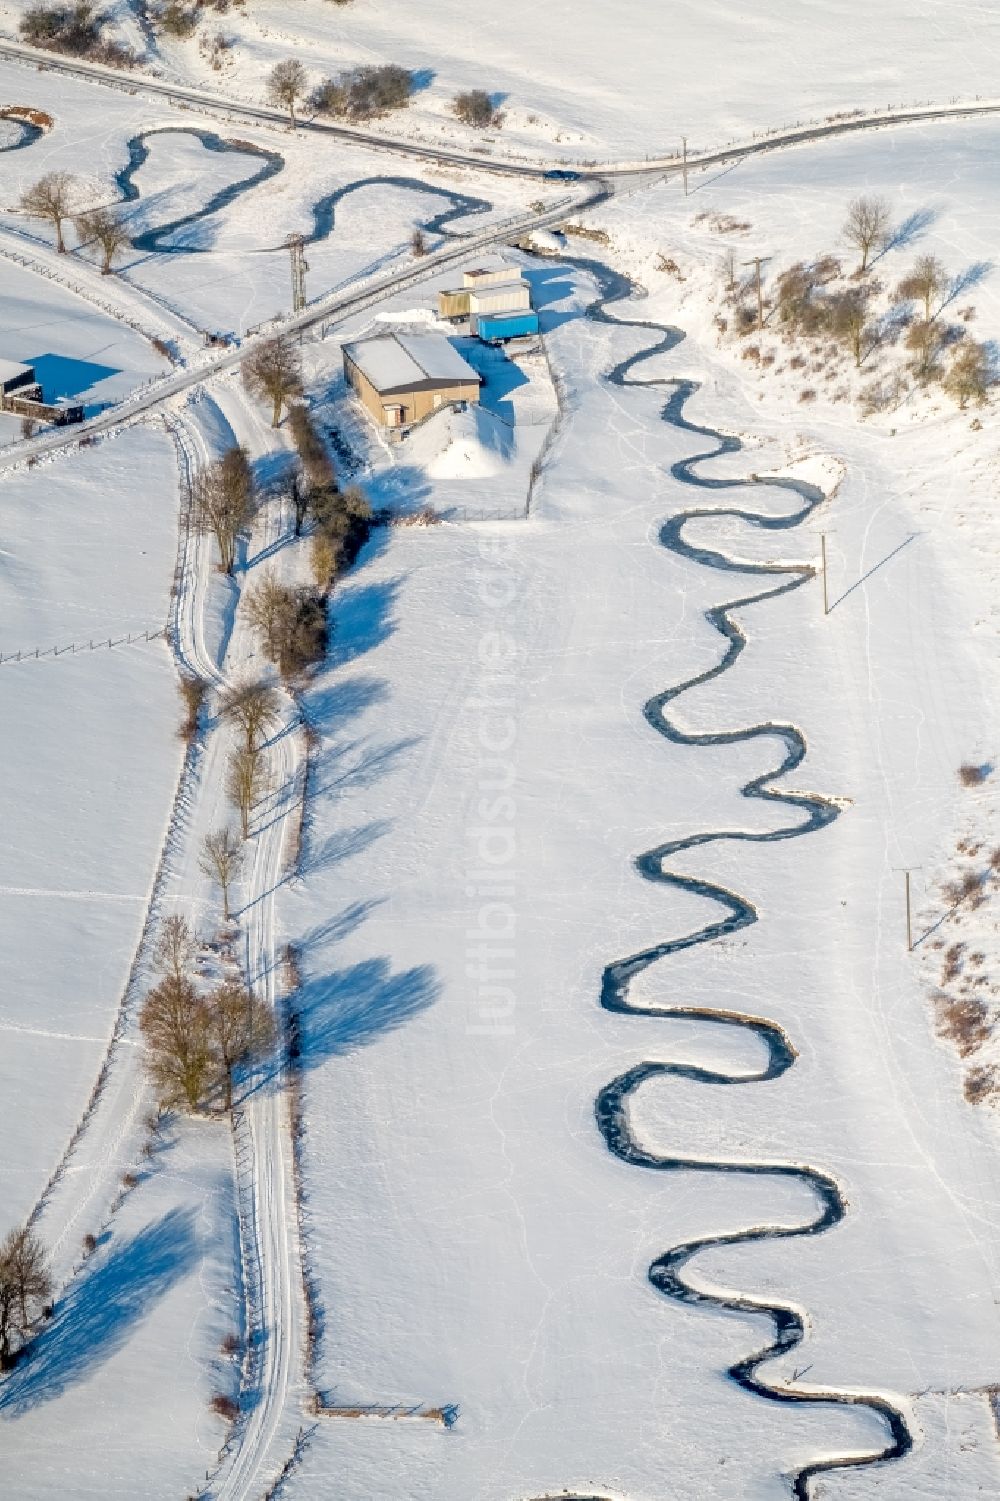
column 510, row 297
column 486, row 276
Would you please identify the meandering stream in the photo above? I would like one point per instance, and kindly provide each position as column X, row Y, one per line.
column 612, row 1107
column 152, row 240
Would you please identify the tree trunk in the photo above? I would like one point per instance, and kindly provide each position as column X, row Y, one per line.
column 225, row 901
column 276, row 412
column 60, row 242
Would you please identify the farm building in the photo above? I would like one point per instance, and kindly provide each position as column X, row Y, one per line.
column 486, row 276
column 454, row 304
column 501, row 297
column 21, row 394
column 501, row 293
column 15, row 377
column 403, row 377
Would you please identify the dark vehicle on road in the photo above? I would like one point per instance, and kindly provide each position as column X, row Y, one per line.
column 562, row 174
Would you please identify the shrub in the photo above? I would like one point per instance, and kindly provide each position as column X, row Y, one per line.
column 75, row 29
column 971, row 775
column 177, row 21
column 965, row 1023
column 364, row 93
column 230, row 1345
column 968, row 884
column 192, row 692
column 980, row 1083
column 475, row 107
column 89, row 1244
column 225, row 1407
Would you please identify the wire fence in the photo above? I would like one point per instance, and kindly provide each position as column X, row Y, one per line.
column 105, row 644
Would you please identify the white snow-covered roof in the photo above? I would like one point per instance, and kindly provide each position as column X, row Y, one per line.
column 11, row 369
column 398, row 361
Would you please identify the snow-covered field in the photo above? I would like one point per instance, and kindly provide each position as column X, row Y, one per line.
column 470, row 876
column 91, row 760
column 482, row 781
column 587, row 82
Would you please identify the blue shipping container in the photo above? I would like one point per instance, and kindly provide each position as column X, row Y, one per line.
column 494, row 328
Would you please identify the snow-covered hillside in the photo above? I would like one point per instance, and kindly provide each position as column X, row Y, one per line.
column 621, row 1142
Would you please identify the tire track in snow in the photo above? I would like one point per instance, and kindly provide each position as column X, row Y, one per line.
column 612, row 1107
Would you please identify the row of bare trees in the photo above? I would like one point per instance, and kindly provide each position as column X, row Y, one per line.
column 52, row 197
column 195, row 1041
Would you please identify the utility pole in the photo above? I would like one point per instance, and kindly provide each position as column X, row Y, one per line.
column 909, row 905
column 826, row 595
column 684, row 157
column 296, row 250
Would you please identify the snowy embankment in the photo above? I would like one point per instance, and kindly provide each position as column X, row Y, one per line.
column 92, row 759
column 594, row 82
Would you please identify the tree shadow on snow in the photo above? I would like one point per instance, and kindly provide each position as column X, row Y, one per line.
column 362, row 619
column 341, row 925
column 353, row 1007
column 343, row 845
column 101, row 1310
column 328, row 707
column 912, row 228
column 358, row 763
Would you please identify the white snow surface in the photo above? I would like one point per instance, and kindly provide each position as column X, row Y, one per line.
column 473, row 1241
column 606, row 82
column 91, row 759
column 483, row 782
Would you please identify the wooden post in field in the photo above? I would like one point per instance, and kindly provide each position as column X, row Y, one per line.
column 907, row 872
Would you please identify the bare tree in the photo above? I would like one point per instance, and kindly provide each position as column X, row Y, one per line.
column 50, row 198
column 969, row 375
column 417, row 242
column 224, row 497
column 848, row 317
column 287, row 85
column 174, row 1022
column 926, row 282
column 222, row 859
column 292, row 622
column 926, row 341
column 246, row 784
column 274, row 373
column 25, row 1287
column 266, row 604
column 242, row 1031
column 108, row 231
column 175, row 948
column 249, row 706
column 867, row 226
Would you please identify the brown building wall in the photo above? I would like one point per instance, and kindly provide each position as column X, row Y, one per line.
column 416, row 404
